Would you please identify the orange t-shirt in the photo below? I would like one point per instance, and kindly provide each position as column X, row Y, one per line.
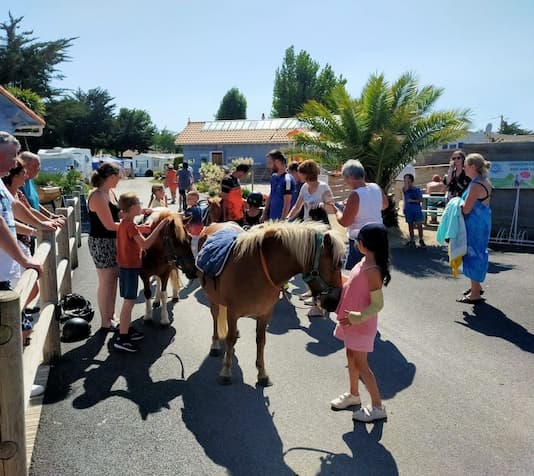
column 170, row 176
column 128, row 251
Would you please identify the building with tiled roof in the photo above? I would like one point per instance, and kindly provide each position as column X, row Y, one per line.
column 17, row 118
column 222, row 141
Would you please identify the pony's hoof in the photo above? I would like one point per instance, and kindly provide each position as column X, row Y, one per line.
column 175, row 300
column 155, row 305
column 215, row 352
column 264, row 382
column 224, row 380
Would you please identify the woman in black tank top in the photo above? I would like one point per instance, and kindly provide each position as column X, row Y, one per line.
column 104, row 220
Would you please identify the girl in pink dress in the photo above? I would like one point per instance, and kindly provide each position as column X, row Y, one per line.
column 361, row 299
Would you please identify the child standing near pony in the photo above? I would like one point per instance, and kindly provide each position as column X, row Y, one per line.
column 158, row 198
column 412, row 210
column 361, row 299
column 130, row 243
column 195, row 225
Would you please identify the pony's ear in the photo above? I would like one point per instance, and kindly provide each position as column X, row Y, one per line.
column 186, row 220
column 327, row 239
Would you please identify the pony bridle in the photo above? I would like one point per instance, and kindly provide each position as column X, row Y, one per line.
column 168, row 245
column 314, row 274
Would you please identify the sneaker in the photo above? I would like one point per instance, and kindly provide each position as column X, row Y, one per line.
column 134, row 334
column 125, row 345
column 422, row 244
column 37, row 390
column 309, row 302
column 368, row 414
column 345, row 400
column 306, row 295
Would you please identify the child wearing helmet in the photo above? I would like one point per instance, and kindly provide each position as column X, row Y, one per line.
column 253, row 209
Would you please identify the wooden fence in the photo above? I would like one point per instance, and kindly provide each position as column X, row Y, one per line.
column 58, row 253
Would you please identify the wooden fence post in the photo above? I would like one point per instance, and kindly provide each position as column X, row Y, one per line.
column 12, row 427
column 74, row 226
column 63, row 252
column 49, row 293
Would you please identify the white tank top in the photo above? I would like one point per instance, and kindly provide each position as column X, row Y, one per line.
column 370, row 209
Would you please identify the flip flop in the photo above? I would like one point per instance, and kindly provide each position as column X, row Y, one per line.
column 466, row 300
column 467, row 291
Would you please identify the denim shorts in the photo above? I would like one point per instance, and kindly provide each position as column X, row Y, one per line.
column 128, row 281
column 413, row 216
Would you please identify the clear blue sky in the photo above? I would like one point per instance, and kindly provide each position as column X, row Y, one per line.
column 176, row 59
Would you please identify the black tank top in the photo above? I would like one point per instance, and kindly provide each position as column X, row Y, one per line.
column 97, row 228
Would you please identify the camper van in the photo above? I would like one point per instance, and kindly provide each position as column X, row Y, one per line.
column 62, row 160
column 145, row 165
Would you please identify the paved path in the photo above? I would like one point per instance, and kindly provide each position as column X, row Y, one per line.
column 457, row 382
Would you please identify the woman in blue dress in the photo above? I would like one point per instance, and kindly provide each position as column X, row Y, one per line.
column 477, row 216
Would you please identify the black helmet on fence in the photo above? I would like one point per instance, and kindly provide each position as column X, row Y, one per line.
column 255, row 199
column 75, row 329
column 75, row 305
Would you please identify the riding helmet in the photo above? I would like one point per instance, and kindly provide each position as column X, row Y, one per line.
column 255, row 199
column 75, row 305
column 75, row 329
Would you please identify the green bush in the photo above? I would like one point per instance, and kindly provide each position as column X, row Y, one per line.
column 69, row 182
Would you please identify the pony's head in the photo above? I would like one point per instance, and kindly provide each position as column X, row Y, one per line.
column 215, row 213
column 324, row 275
column 176, row 241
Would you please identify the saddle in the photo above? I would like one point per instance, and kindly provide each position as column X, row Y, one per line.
column 214, row 254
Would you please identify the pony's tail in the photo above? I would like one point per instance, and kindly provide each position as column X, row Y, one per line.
column 222, row 322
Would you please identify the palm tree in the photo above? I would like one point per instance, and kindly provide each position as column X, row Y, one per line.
column 385, row 128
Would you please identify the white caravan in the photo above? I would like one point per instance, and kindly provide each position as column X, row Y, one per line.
column 62, row 160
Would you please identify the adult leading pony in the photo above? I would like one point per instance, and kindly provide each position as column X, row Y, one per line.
column 170, row 251
column 262, row 260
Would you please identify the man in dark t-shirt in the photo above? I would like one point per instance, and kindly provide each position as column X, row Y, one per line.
column 282, row 186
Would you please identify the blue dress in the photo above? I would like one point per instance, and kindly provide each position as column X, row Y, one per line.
column 478, row 228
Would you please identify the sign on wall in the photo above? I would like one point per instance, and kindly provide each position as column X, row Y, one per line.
column 512, row 174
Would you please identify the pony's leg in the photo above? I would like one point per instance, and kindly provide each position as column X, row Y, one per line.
column 157, row 294
column 261, row 325
column 175, row 283
column 215, row 349
column 164, row 316
column 148, row 294
column 225, row 375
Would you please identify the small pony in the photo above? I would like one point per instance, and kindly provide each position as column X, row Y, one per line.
column 171, row 251
column 261, row 261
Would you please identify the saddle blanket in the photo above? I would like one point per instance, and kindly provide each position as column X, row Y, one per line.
column 215, row 252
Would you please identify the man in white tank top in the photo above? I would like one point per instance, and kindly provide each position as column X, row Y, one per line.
column 364, row 205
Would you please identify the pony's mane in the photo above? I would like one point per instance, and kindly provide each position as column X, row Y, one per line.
column 160, row 213
column 298, row 237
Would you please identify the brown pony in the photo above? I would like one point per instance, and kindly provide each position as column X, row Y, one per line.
column 215, row 213
column 262, row 260
column 172, row 250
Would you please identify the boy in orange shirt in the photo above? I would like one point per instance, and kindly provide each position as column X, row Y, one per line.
column 130, row 243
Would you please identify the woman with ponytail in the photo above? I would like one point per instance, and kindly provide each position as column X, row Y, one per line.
column 361, row 300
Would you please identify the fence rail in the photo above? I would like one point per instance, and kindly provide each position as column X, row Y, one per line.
column 58, row 253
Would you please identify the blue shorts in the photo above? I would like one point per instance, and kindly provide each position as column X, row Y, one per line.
column 413, row 216
column 128, row 281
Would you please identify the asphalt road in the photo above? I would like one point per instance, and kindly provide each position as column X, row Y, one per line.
column 457, row 381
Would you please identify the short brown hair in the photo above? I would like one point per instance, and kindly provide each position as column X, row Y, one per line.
column 275, row 154
column 128, row 200
column 310, row 169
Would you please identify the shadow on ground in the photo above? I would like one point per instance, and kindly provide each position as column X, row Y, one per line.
column 393, row 372
column 99, row 375
column 492, row 322
column 233, row 423
column 369, row 456
column 421, row 263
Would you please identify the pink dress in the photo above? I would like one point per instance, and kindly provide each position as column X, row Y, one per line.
column 356, row 297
